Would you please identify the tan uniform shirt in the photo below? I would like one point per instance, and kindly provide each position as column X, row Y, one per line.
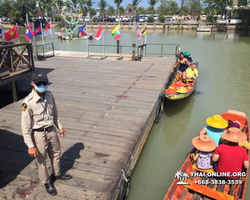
column 37, row 114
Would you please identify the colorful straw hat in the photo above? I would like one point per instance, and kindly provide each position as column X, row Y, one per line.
column 181, row 90
column 204, row 143
column 217, row 122
column 234, row 135
column 186, row 53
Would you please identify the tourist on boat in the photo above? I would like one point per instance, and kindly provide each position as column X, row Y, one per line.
column 216, row 127
column 182, row 62
column 205, row 146
column 238, row 125
column 187, row 56
column 230, row 157
column 192, row 72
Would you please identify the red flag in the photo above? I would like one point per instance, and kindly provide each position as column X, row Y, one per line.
column 11, row 34
column 99, row 33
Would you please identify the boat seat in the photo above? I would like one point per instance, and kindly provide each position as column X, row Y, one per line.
column 206, row 191
column 202, row 170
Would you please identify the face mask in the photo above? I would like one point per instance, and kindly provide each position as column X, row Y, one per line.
column 41, row 88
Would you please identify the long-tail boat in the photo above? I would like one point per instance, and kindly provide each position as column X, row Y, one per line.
column 177, row 90
column 195, row 191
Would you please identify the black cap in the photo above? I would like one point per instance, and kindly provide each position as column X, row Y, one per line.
column 39, row 77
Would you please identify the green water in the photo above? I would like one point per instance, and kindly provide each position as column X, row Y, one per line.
column 223, row 85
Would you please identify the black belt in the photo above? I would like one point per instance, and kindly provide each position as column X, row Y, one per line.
column 43, row 129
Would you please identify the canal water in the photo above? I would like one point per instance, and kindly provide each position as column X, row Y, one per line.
column 223, row 85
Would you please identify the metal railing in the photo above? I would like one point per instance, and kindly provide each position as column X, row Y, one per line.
column 142, row 50
column 44, row 50
column 112, row 46
column 174, row 48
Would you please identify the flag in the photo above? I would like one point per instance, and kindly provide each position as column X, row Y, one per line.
column 83, row 30
column 11, row 34
column 116, row 32
column 1, row 35
column 29, row 33
column 38, row 30
column 144, row 29
column 139, row 34
column 99, row 33
column 47, row 30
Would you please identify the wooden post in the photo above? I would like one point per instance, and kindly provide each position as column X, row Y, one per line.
column 14, row 91
column 34, row 42
column 176, row 52
column 141, row 50
column 118, row 43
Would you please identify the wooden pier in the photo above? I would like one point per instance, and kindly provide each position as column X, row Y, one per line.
column 107, row 108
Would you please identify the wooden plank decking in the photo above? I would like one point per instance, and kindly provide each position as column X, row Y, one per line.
column 107, row 108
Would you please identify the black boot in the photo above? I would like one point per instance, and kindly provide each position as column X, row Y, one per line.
column 60, row 177
column 50, row 188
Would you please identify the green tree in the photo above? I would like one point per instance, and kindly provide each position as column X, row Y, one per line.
column 118, row 4
column 135, row 3
column 102, row 4
column 89, row 4
column 195, row 7
column 129, row 8
column 173, row 7
column 68, row 6
column 75, row 3
column 59, row 4
column 140, row 10
column 83, row 9
column 92, row 12
column 162, row 9
column 151, row 5
column 121, row 10
column 111, row 11
column 185, row 10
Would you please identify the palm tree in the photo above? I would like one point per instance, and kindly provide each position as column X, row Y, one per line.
column 89, row 4
column 135, row 3
column 68, row 5
column 151, row 5
column 75, row 2
column 129, row 8
column 117, row 3
column 60, row 4
column 102, row 5
column 83, row 8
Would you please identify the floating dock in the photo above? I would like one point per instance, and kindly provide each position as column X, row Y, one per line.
column 107, row 108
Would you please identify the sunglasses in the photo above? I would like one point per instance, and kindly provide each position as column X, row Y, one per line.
column 42, row 83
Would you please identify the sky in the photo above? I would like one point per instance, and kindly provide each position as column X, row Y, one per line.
column 144, row 3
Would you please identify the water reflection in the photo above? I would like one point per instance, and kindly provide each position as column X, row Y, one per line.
column 177, row 122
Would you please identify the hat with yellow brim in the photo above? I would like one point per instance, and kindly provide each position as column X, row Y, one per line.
column 204, row 143
column 181, row 90
column 217, row 122
column 234, row 135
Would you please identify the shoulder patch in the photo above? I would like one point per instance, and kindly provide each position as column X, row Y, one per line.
column 24, row 106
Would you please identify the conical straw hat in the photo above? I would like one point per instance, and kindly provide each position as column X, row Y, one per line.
column 217, row 122
column 234, row 135
column 204, row 143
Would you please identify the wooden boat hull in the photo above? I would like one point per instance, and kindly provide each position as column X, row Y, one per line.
column 181, row 192
column 176, row 96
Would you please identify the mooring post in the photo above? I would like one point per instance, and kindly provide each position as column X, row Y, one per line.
column 118, row 44
column 176, row 51
column 14, row 91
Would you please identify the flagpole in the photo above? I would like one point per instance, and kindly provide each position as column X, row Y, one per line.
column 19, row 42
column 43, row 42
column 87, row 40
column 103, row 42
column 51, row 32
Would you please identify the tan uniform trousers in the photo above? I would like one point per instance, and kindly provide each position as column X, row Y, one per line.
column 47, row 142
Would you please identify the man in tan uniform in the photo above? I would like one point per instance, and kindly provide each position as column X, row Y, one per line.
column 40, row 124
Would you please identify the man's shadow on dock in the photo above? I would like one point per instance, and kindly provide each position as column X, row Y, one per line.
column 14, row 157
column 69, row 157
